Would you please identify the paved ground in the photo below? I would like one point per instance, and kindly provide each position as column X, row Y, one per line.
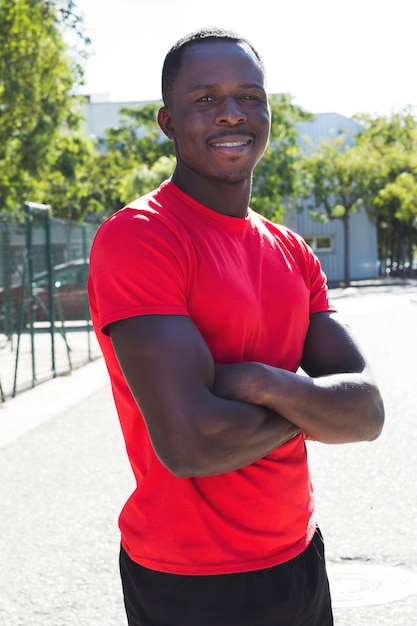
column 65, row 476
column 63, row 484
column 366, row 492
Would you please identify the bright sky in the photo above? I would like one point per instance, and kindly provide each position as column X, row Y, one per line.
column 329, row 55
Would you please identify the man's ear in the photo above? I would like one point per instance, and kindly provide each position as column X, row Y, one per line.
column 165, row 122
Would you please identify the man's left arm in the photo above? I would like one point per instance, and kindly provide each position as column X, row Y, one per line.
column 337, row 402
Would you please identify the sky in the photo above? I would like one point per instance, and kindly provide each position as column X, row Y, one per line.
column 329, row 55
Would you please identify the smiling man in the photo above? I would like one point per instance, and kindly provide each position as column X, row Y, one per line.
column 217, row 114
column 205, row 311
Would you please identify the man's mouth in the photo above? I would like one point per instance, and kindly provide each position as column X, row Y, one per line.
column 230, row 144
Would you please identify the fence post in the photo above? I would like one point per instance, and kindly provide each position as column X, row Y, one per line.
column 51, row 290
column 30, row 208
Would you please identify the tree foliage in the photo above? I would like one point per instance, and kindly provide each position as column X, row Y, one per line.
column 68, row 185
column 391, row 142
column 39, row 74
column 276, row 183
column 336, row 180
column 379, row 173
column 135, row 157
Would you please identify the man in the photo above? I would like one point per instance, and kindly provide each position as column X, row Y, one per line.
column 205, row 311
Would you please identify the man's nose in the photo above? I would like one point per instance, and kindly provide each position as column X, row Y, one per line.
column 230, row 112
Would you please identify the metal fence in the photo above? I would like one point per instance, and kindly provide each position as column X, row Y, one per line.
column 45, row 327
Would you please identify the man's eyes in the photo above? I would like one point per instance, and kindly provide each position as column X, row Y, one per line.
column 212, row 98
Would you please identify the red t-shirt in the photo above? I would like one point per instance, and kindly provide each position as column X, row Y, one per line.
column 250, row 287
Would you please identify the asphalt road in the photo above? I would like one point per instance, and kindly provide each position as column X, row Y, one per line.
column 64, row 481
column 366, row 493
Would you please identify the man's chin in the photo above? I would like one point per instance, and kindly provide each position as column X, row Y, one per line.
column 233, row 178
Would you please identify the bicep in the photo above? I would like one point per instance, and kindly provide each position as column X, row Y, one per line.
column 330, row 347
column 170, row 372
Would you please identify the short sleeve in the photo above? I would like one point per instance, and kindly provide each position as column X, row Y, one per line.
column 138, row 266
column 319, row 293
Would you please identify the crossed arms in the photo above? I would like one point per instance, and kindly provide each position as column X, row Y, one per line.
column 205, row 419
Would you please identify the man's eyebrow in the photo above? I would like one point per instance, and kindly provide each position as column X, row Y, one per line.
column 203, row 86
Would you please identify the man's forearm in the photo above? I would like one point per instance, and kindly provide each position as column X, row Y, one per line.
column 235, row 434
column 339, row 408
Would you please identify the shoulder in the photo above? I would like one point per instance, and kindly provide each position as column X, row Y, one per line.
column 288, row 238
column 154, row 203
column 152, row 214
column 301, row 258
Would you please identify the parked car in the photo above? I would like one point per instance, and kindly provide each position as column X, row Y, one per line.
column 69, row 295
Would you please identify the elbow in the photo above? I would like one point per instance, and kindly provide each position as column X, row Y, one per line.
column 189, row 448
column 187, row 472
column 188, row 461
column 177, row 464
column 182, row 467
column 376, row 423
column 202, row 461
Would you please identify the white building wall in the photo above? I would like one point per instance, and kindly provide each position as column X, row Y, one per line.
column 99, row 116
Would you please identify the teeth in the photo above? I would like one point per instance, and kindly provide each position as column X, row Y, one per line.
column 230, row 144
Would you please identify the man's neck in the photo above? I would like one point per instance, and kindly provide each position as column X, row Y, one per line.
column 224, row 197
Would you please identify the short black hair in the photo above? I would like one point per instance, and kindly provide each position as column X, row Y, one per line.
column 173, row 58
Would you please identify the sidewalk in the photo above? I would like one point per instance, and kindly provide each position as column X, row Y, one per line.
column 35, row 406
column 65, row 477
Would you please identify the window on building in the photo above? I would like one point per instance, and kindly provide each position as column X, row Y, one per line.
column 320, row 243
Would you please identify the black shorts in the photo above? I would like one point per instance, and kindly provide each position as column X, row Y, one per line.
column 295, row 593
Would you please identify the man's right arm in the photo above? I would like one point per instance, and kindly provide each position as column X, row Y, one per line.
column 170, row 372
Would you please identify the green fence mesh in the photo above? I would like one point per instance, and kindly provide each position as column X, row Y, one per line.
column 45, row 327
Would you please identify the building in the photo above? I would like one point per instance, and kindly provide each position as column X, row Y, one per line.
column 100, row 114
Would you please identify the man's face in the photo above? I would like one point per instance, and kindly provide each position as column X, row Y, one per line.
column 218, row 114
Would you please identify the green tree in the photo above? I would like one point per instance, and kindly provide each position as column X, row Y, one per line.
column 68, row 186
column 381, row 132
column 397, row 201
column 39, row 75
column 147, row 177
column 143, row 141
column 134, row 159
column 337, row 178
column 391, row 197
column 276, row 183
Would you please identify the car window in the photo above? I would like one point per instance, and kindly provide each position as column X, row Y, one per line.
column 66, row 277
